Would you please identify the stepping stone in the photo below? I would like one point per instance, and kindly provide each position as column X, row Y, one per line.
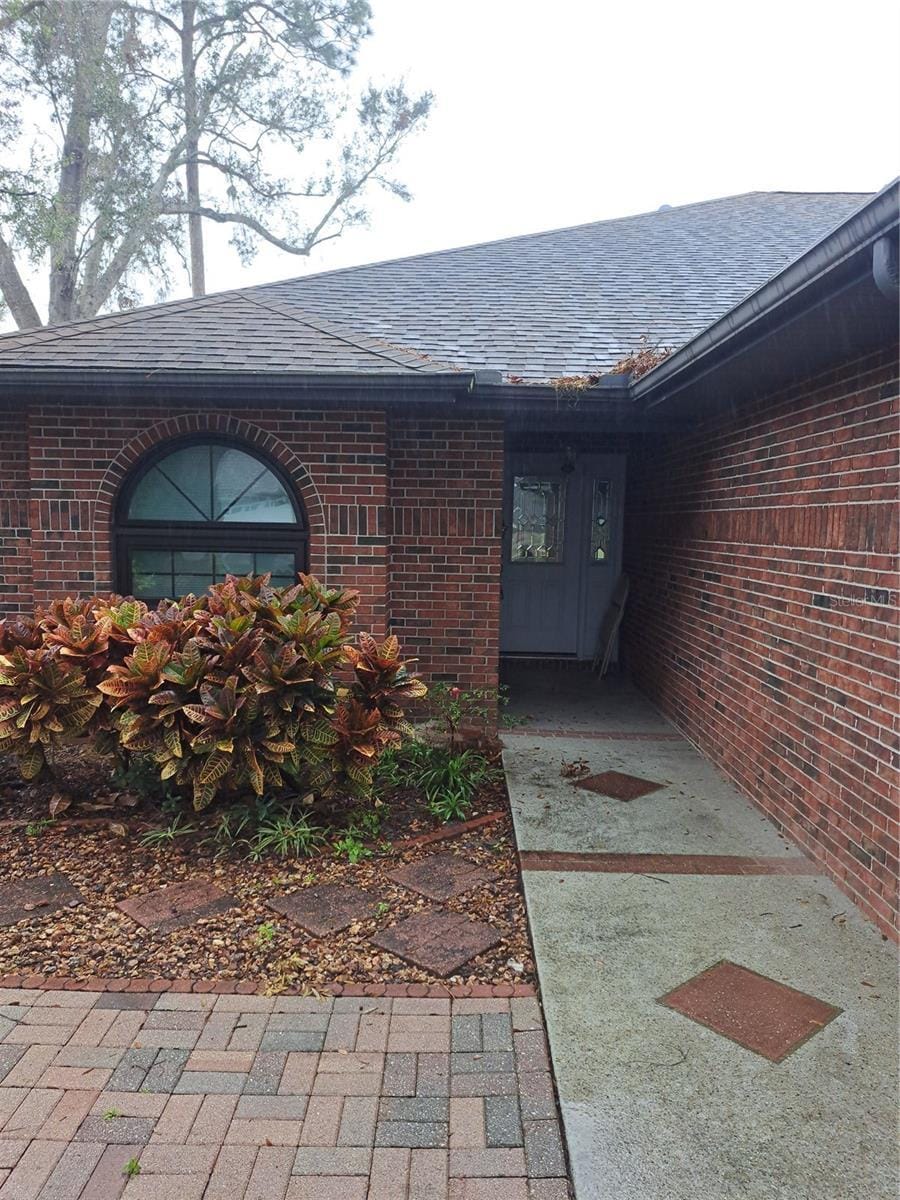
column 177, row 905
column 617, row 785
column 758, row 1013
column 440, row 942
column 327, row 908
column 442, row 876
column 35, row 897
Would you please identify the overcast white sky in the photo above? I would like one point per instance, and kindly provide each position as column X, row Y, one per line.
column 556, row 112
column 552, row 114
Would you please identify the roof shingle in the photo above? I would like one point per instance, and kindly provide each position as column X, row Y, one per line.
column 231, row 331
column 566, row 302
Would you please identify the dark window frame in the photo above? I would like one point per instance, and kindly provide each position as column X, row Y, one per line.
column 226, row 536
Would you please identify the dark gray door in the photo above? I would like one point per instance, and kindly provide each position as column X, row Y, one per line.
column 562, row 551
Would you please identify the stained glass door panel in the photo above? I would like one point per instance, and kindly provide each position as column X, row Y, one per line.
column 539, row 611
column 538, row 519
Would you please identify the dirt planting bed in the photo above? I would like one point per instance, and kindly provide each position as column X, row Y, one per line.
column 96, row 847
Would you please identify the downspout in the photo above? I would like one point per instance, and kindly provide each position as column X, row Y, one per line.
column 885, row 267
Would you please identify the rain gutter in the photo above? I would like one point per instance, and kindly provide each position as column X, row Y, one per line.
column 236, row 386
column 612, row 389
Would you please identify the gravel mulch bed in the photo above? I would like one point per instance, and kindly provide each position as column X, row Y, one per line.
column 250, row 941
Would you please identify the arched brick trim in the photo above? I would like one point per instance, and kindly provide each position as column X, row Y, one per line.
column 188, row 424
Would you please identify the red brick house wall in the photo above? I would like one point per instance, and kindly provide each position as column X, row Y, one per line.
column 446, row 513
column 763, row 611
column 62, row 467
column 15, row 541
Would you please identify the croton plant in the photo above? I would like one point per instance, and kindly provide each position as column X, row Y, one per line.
column 248, row 688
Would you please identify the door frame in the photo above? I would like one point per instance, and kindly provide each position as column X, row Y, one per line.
column 589, row 465
column 538, row 463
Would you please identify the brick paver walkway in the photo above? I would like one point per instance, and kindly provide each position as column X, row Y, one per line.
column 248, row 1098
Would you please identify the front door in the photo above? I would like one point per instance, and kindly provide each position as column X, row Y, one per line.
column 561, row 550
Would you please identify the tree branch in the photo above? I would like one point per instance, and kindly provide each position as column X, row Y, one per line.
column 134, row 237
column 15, row 293
column 192, row 136
column 231, row 171
column 236, row 218
column 69, row 199
column 8, row 22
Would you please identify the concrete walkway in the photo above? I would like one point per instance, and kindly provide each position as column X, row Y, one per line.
column 204, row 1097
column 627, row 901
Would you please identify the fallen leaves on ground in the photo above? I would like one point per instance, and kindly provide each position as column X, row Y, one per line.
column 108, row 863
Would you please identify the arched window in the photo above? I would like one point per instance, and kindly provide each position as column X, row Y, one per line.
column 197, row 511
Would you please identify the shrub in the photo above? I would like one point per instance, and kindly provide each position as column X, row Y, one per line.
column 41, row 701
column 140, row 775
column 352, row 848
column 286, row 835
column 50, row 669
column 266, row 825
column 451, row 782
column 365, row 822
column 176, row 828
column 467, row 715
column 237, row 691
column 18, row 631
column 448, row 779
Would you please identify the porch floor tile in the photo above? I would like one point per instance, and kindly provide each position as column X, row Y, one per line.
column 35, row 897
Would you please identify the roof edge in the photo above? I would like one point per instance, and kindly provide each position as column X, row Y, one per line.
column 862, row 228
column 403, row 357
column 538, row 233
column 421, row 384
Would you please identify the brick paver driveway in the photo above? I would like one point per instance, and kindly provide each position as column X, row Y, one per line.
column 228, row 1097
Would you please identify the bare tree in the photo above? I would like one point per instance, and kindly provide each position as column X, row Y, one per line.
column 128, row 125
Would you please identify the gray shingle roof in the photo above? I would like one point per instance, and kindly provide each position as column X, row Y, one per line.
column 569, row 301
column 231, row 331
column 576, row 301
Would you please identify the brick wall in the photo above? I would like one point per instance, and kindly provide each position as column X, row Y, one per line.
column 15, row 536
column 79, row 457
column 446, row 503
column 763, row 620
column 431, row 575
